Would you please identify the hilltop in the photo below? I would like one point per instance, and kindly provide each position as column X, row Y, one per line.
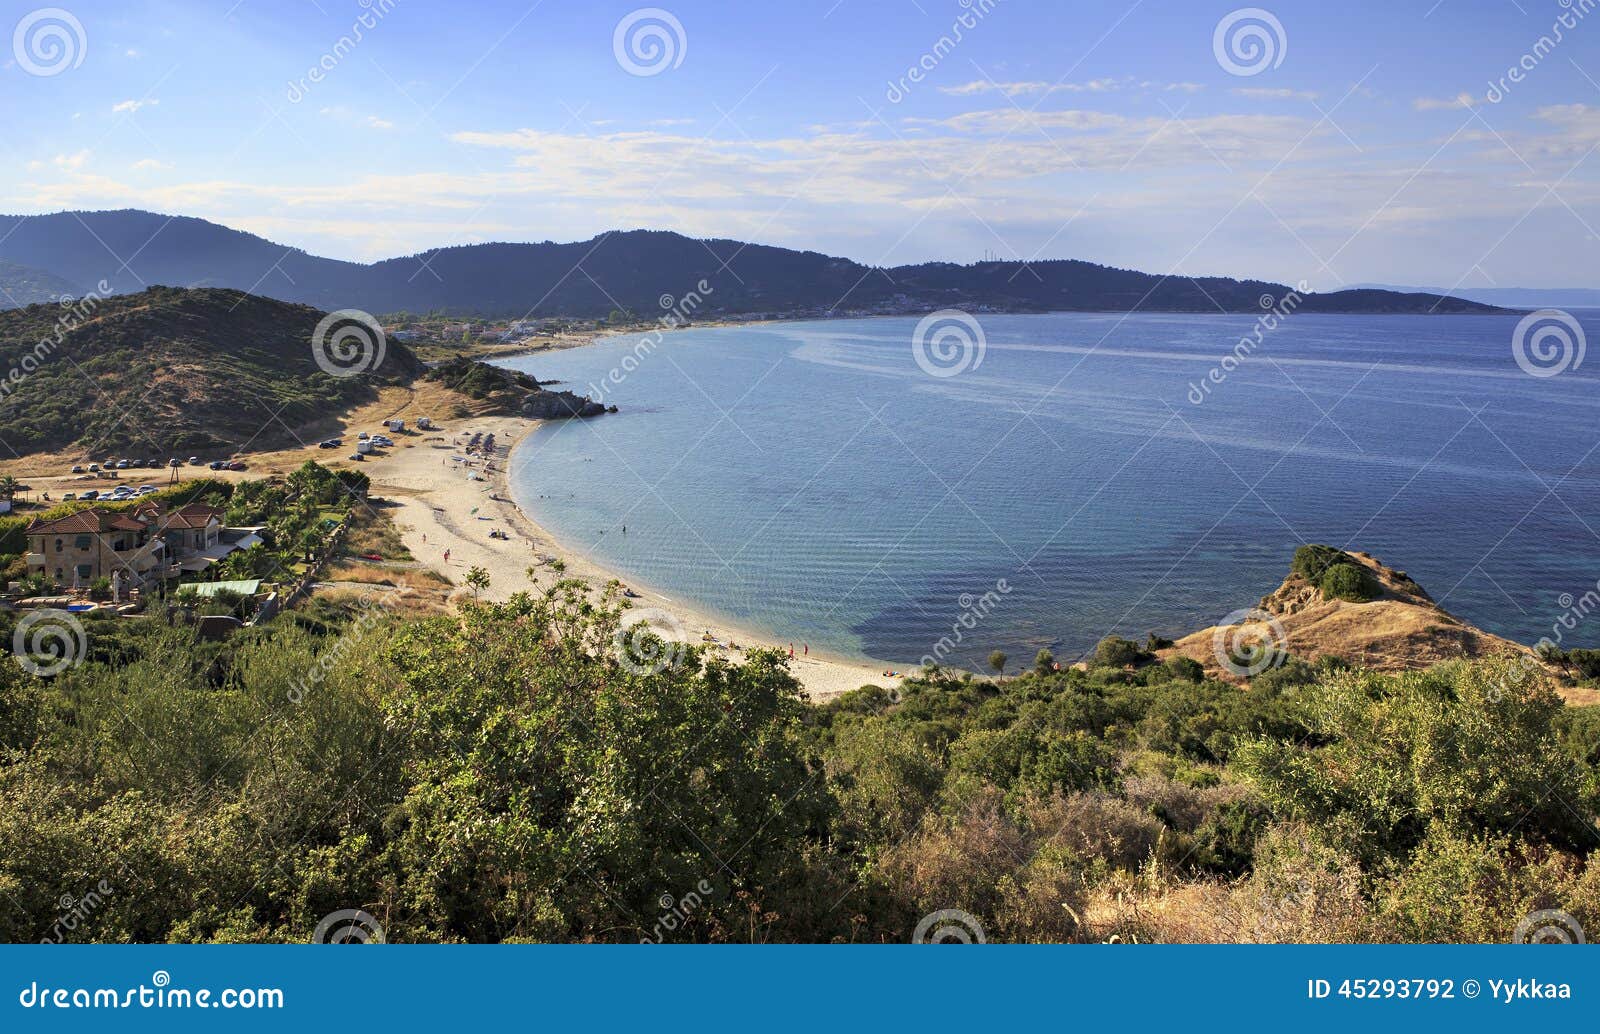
column 627, row 270
column 1367, row 614
column 169, row 371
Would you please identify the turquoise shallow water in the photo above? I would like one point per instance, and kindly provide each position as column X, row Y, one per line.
column 812, row 480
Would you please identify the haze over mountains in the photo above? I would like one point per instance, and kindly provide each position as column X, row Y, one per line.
column 634, row 271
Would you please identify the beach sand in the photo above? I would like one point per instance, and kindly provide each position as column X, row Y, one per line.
column 439, row 508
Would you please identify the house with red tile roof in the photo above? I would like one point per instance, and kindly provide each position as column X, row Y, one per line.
column 139, row 548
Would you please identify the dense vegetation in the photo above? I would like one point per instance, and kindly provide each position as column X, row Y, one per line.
column 167, row 372
column 1336, row 573
column 630, row 270
column 481, row 381
column 501, row 774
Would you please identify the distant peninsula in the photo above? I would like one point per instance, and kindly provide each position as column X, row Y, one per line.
column 638, row 273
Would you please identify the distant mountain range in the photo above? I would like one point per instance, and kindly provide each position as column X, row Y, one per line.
column 1511, row 297
column 635, row 271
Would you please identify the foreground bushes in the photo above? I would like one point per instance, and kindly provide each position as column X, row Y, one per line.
column 502, row 775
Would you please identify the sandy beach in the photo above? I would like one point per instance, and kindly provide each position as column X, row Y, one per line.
column 441, row 508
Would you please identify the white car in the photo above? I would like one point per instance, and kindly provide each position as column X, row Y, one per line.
column 147, row 489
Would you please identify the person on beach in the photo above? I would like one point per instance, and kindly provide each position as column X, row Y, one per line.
column 447, row 556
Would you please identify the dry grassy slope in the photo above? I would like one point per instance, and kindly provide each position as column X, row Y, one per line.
column 1402, row 629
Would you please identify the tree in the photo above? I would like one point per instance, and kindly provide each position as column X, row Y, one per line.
column 9, row 487
column 1044, row 662
column 478, row 578
column 997, row 661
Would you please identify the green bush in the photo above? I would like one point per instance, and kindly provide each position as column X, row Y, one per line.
column 1116, row 652
column 1348, row 582
column 1312, row 561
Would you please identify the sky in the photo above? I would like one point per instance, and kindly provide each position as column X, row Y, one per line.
column 1334, row 143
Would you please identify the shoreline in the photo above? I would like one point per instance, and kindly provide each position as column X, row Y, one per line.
column 442, row 508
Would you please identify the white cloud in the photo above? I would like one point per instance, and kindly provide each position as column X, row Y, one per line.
column 377, row 123
column 1459, row 101
column 71, row 161
column 132, row 106
column 1019, row 89
column 1270, row 93
column 150, row 165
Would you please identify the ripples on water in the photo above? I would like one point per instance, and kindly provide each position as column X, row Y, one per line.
column 812, row 480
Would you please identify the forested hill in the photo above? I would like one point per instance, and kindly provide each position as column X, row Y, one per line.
column 170, row 370
column 631, row 270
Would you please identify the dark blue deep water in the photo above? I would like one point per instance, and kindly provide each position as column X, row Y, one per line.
column 811, row 480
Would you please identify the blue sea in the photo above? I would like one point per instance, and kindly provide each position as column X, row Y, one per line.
column 853, row 486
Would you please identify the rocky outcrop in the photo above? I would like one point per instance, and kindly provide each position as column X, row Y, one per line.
column 556, row 405
column 1400, row 629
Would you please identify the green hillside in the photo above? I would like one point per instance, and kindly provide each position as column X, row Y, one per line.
column 169, row 371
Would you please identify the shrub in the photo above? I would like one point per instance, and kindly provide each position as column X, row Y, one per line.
column 1312, row 561
column 1186, row 668
column 1116, row 652
column 1349, row 582
column 100, row 589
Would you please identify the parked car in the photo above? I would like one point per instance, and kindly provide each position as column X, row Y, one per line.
column 77, row 468
column 90, row 494
column 237, row 465
column 69, row 497
column 357, row 456
column 94, row 468
column 174, row 462
column 147, row 489
column 362, row 436
column 194, row 461
column 216, row 464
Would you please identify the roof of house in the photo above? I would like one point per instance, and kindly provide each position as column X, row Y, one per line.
column 90, row 521
column 190, row 515
column 94, row 519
